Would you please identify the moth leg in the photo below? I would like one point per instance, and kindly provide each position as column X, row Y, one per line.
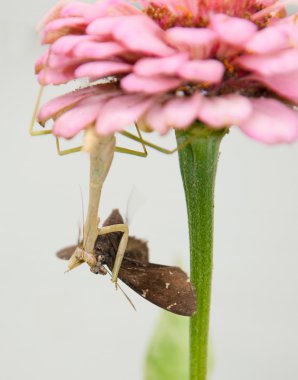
column 122, row 246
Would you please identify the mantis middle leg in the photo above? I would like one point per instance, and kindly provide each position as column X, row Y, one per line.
column 122, row 245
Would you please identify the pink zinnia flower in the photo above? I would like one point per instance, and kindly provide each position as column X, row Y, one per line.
column 169, row 63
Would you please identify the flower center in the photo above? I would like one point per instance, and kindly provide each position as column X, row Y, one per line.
column 196, row 13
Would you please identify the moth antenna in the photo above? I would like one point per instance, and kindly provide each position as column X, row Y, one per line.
column 123, row 292
column 128, row 299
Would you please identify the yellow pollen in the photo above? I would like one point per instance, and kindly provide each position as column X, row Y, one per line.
column 204, row 85
column 183, row 9
column 230, row 68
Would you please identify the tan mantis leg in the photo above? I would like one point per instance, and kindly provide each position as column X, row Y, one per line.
column 130, row 151
column 122, row 246
column 129, row 135
column 66, row 151
column 79, row 257
column 154, row 146
column 118, row 149
column 31, row 128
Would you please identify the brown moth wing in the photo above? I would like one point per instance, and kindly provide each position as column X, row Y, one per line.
column 166, row 286
column 107, row 244
column 114, row 218
column 137, row 249
column 66, row 253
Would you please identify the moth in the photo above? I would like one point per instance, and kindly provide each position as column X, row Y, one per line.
column 165, row 286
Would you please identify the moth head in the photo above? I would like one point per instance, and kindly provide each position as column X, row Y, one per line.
column 99, row 267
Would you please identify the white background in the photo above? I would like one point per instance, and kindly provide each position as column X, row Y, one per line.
column 75, row 326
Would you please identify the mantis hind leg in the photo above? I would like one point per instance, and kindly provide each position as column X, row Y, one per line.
column 154, row 146
column 131, row 136
column 138, row 138
column 118, row 149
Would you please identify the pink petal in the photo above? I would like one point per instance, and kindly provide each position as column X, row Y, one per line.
column 179, row 112
column 154, row 120
column 141, row 34
column 62, row 62
column 199, row 42
column 63, row 102
column 225, row 52
column 232, row 30
column 98, row 50
column 208, row 70
column 53, row 14
column 124, row 8
column 272, row 9
column 180, row 8
column 287, row 20
column 121, row 111
column 148, row 85
column 103, row 26
column 41, row 62
column 284, row 84
column 271, row 122
column 273, row 39
column 76, row 9
column 111, row 8
column 280, row 63
column 78, row 118
column 61, row 27
column 51, row 76
column 158, row 66
column 224, row 111
column 96, row 70
column 64, row 45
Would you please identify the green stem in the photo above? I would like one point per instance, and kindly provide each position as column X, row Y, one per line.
column 198, row 163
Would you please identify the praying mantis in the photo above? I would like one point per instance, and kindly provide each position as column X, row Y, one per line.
column 101, row 151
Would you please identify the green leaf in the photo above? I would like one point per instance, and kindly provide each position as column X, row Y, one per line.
column 167, row 356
